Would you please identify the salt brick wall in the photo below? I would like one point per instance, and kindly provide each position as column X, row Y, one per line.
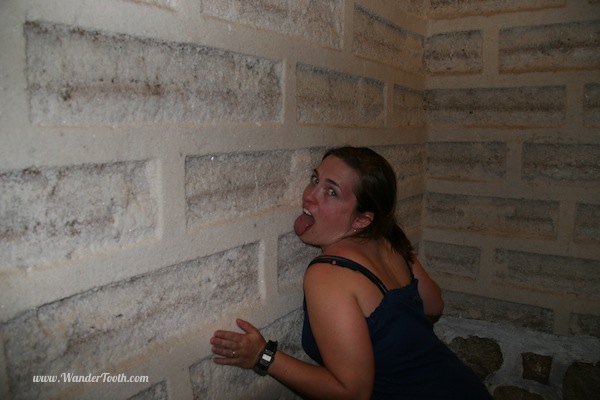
column 153, row 157
column 511, row 206
column 154, row 151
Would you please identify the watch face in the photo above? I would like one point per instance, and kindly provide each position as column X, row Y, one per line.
column 267, row 357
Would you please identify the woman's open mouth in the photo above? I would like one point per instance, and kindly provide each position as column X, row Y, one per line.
column 303, row 222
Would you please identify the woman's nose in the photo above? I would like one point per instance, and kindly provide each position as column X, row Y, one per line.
column 309, row 194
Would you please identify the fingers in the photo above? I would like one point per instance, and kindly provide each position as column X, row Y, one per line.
column 239, row 349
column 246, row 326
column 227, row 335
column 225, row 353
column 223, row 343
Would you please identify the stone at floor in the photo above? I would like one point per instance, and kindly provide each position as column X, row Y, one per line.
column 515, row 393
column 582, row 381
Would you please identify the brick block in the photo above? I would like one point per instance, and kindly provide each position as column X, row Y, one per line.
column 482, row 355
column 467, row 161
column 409, row 212
column 519, row 218
column 228, row 186
column 591, row 105
column 569, row 46
column 408, row 108
column 451, row 259
column 381, row 40
column 408, row 161
column 568, row 275
column 519, row 107
column 220, row 382
column 537, row 367
column 83, row 77
column 581, row 381
column 565, row 163
column 63, row 212
column 317, row 21
column 515, row 392
column 587, row 224
column 584, row 324
column 159, row 3
column 334, row 98
column 454, row 53
column 461, row 8
column 293, row 257
column 154, row 392
column 96, row 330
column 463, row 305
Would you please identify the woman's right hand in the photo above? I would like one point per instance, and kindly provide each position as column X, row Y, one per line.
column 239, row 349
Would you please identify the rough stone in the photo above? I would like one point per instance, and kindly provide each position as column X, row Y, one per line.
column 460, row 8
column 450, row 259
column 293, row 257
column 482, row 355
column 383, row 41
column 454, row 53
column 408, row 108
column 408, row 161
column 409, row 211
column 470, row 306
column 318, row 21
column 93, row 331
column 520, row 107
column 515, row 393
column 154, row 392
column 500, row 216
column 581, row 381
column 85, row 77
column 561, row 163
column 591, row 105
column 329, row 97
column 50, row 213
column 229, row 186
column 582, row 324
column 570, row 275
column 467, row 161
column 537, row 367
column 555, row 47
column 587, row 224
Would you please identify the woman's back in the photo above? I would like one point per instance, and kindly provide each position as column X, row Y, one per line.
column 410, row 361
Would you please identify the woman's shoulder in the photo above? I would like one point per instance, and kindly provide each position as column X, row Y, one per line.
column 328, row 269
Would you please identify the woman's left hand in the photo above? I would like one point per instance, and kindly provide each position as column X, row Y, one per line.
column 239, row 349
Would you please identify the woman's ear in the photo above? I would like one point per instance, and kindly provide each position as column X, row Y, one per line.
column 363, row 220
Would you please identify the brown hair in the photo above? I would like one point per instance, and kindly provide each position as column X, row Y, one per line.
column 376, row 193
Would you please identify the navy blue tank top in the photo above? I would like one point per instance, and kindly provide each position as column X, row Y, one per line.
column 410, row 361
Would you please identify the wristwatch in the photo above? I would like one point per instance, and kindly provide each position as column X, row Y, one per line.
column 265, row 358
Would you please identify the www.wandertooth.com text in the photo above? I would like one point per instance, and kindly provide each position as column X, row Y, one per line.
column 68, row 377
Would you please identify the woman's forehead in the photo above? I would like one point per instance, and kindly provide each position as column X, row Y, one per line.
column 337, row 170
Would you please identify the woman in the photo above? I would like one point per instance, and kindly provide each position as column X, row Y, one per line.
column 368, row 301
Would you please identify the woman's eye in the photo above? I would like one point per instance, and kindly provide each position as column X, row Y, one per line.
column 314, row 179
column 332, row 192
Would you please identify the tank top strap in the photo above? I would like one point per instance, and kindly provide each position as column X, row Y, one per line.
column 353, row 265
column 410, row 269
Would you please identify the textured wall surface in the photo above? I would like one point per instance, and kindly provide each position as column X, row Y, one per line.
column 154, row 153
column 152, row 162
column 511, row 214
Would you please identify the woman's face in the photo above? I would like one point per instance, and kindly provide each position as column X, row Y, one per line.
column 328, row 203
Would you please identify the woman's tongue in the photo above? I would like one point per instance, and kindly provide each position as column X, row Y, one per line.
column 303, row 222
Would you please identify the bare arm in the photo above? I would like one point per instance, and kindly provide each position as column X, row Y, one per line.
column 342, row 336
column 430, row 292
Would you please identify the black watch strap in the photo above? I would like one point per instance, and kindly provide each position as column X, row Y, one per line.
column 265, row 358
